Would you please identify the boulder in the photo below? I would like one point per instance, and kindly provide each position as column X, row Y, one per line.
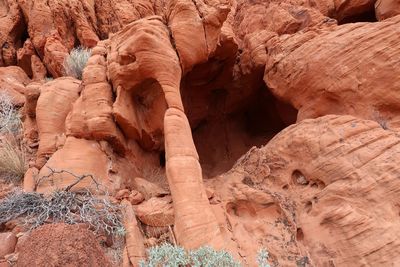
column 30, row 179
column 148, row 189
column 135, row 197
column 156, row 211
column 13, row 82
column 8, row 240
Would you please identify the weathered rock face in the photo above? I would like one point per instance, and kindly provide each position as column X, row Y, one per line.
column 317, row 187
column 11, row 31
column 386, row 9
column 154, row 75
column 8, row 241
column 329, row 74
column 52, row 108
column 13, row 81
column 186, row 87
column 348, row 10
column 49, row 27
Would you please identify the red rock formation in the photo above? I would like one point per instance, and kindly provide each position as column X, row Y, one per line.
column 49, row 28
column 154, row 76
column 53, row 106
column 91, row 116
column 317, row 188
column 347, row 9
column 13, row 81
column 191, row 85
column 11, row 30
column 134, row 239
column 386, row 8
column 328, row 73
column 8, row 241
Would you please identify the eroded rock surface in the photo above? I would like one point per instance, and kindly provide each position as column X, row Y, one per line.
column 177, row 91
column 317, row 187
column 328, row 73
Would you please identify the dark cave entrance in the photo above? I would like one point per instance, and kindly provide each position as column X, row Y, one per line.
column 221, row 139
column 366, row 15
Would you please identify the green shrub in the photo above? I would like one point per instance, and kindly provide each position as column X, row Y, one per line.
column 76, row 61
column 262, row 258
column 208, row 257
column 48, row 79
column 168, row 255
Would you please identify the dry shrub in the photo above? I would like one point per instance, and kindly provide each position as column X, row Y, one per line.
column 12, row 160
column 63, row 206
column 76, row 61
column 12, row 155
column 10, row 121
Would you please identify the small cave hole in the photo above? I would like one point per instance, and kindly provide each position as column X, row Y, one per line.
column 308, row 206
column 299, row 234
column 248, row 181
column 285, row 187
column 317, row 184
column 225, row 128
column 367, row 16
column 161, row 157
column 321, row 184
column 24, row 36
column 298, row 178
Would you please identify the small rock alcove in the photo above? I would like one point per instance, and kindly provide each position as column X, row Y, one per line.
column 221, row 138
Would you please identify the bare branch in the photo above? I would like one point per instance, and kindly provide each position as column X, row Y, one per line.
column 78, row 178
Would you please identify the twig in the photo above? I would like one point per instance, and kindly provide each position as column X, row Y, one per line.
column 173, row 235
column 78, row 178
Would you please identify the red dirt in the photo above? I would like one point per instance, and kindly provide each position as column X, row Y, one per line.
column 61, row 245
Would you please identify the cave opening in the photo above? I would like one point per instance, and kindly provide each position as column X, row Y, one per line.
column 222, row 138
column 24, row 36
column 367, row 16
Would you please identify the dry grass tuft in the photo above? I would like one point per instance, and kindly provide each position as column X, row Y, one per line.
column 12, row 160
column 10, row 121
column 76, row 61
column 12, row 155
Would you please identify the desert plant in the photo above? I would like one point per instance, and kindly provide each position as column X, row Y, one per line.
column 48, row 79
column 63, row 206
column 12, row 160
column 208, row 257
column 262, row 258
column 76, row 61
column 10, row 121
column 168, row 255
